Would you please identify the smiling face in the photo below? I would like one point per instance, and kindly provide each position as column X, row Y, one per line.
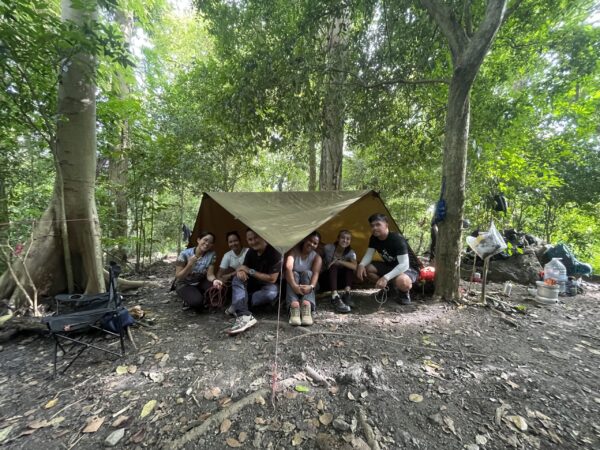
column 206, row 243
column 344, row 239
column 234, row 243
column 255, row 242
column 310, row 244
column 379, row 229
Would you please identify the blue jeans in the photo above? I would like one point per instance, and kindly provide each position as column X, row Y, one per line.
column 301, row 278
column 242, row 300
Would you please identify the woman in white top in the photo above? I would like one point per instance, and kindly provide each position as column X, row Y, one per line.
column 302, row 267
column 233, row 259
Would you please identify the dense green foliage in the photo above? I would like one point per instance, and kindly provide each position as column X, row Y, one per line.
column 231, row 98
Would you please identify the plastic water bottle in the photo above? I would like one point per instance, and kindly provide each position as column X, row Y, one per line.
column 556, row 271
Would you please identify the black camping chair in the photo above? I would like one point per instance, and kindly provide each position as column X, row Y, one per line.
column 80, row 319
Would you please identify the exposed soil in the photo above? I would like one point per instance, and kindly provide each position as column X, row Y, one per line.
column 481, row 382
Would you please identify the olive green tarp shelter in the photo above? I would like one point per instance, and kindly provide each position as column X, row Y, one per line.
column 283, row 219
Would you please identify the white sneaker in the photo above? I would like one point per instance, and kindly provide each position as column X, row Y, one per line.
column 242, row 323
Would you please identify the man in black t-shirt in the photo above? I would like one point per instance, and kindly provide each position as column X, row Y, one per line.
column 255, row 281
column 395, row 266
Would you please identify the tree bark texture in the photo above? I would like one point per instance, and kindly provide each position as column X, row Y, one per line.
column 76, row 163
column 118, row 161
column 332, row 147
column 4, row 219
column 312, row 164
column 468, row 50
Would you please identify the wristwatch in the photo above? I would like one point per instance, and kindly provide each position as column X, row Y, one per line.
column 251, row 272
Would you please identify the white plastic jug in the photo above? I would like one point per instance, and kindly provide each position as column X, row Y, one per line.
column 557, row 271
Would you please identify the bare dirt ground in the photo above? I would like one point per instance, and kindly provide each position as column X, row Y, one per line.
column 425, row 376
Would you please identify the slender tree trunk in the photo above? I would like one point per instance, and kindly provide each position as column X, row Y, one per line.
column 118, row 161
column 332, row 147
column 75, row 154
column 312, row 164
column 4, row 221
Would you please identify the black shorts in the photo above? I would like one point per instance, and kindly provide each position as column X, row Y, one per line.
column 384, row 267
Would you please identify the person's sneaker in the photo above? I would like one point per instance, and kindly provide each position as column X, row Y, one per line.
column 295, row 317
column 347, row 299
column 230, row 311
column 242, row 323
column 403, row 298
column 306, row 313
column 339, row 305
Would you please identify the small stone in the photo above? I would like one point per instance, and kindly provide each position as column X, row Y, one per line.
column 114, row 437
column 341, row 425
column 472, row 447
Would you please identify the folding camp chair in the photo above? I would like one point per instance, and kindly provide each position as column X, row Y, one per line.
column 80, row 319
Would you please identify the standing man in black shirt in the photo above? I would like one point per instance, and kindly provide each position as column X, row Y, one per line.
column 395, row 266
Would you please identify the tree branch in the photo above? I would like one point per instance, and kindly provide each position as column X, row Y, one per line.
column 444, row 17
column 483, row 37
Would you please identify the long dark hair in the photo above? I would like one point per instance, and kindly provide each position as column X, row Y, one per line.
column 347, row 249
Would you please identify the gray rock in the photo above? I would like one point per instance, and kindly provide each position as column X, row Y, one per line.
column 114, row 437
column 352, row 375
column 341, row 425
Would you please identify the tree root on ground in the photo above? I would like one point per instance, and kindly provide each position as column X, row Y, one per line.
column 123, row 284
column 215, row 420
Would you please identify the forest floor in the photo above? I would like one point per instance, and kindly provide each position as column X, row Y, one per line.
column 426, row 376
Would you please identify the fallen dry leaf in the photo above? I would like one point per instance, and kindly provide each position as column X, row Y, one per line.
column 260, row 400
column 351, row 396
column 119, row 421
column 147, row 409
column 225, row 426
column 132, row 369
column 93, row 424
column 232, row 442
column 519, row 422
column 243, row 436
column 138, row 437
column 121, row 370
column 450, row 424
column 416, row 398
column 51, row 403
column 159, row 355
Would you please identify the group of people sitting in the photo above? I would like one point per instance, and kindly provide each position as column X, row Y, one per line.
column 253, row 272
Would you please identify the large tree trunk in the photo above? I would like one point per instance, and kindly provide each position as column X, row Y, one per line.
column 454, row 169
column 332, row 147
column 75, row 153
column 118, row 161
column 468, row 52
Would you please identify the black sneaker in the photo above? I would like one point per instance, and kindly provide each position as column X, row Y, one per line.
column 347, row 299
column 403, row 298
column 339, row 305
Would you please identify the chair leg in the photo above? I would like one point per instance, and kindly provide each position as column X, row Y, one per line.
column 55, row 354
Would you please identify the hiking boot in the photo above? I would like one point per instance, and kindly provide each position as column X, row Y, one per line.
column 242, row 323
column 403, row 298
column 306, row 313
column 347, row 299
column 295, row 320
column 230, row 311
column 339, row 305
